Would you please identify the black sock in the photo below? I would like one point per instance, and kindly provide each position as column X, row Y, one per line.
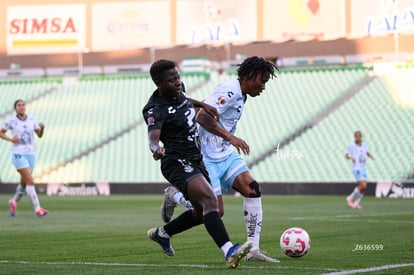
column 183, row 222
column 215, row 228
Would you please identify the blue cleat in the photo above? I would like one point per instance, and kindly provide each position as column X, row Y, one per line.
column 13, row 207
column 163, row 242
column 236, row 253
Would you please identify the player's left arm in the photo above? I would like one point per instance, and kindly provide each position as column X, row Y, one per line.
column 370, row 156
column 39, row 132
column 206, row 107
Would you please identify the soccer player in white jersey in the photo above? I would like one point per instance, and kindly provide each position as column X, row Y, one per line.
column 225, row 167
column 357, row 152
column 22, row 127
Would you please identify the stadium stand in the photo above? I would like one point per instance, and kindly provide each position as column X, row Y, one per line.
column 83, row 116
column 29, row 90
column 95, row 131
column 290, row 101
column 382, row 111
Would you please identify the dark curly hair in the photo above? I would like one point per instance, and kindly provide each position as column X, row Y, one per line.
column 251, row 67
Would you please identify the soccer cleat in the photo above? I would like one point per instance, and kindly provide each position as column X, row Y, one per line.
column 357, row 206
column 42, row 212
column 236, row 253
column 168, row 204
column 259, row 256
column 350, row 202
column 13, row 207
column 163, row 242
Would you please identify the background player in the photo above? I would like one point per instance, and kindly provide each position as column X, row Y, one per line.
column 225, row 166
column 356, row 152
column 170, row 117
column 22, row 127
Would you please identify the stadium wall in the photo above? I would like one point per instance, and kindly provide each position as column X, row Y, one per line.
column 380, row 189
column 282, row 188
column 375, row 46
column 317, row 30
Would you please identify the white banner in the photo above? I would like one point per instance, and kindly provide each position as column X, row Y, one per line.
column 379, row 17
column 45, row 29
column 130, row 25
column 303, row 19
column 216, row 21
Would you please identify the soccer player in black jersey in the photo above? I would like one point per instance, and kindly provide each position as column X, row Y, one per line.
column 170, row 117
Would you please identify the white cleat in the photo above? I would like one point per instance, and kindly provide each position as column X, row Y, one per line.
column 259, row 256
column 168, row 205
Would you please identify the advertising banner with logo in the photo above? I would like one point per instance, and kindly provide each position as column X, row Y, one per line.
column 216, row 21
column 303, row 19
column 81, row 189
column 394, row 189
column 380, row 17
column 130, row 25
column 44, row 29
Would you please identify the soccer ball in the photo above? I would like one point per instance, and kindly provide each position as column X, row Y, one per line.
column 295, row 242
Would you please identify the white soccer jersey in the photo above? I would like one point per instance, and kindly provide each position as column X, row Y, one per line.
column 24, row 130
column 359, row 153
column 227, row 98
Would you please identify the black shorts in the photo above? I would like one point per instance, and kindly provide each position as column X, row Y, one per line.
column 179, row 171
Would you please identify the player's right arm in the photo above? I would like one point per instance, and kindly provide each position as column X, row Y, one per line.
column 213, row 126
column 154, row 144
column 154, row 119
column 7, row 138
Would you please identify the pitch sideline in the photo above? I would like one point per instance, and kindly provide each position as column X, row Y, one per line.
column 202, row 266
column 369, row 269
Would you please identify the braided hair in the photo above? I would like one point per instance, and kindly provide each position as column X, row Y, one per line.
column 251, row 67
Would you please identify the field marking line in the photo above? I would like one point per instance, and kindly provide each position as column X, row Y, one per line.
column 349, row 220
column 369, row 269
column 345, row 217
column 162, row 265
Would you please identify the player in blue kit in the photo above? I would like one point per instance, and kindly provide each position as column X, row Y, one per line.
column 357, row 151
column 225, row 167
column 22, row 127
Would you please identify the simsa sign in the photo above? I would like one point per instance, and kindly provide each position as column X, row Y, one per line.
column 45, row 29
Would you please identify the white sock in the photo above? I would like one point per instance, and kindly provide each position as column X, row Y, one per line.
column 358, row 198
column 31, row 193
column 180, row 199
column 354, row 193
column 226, row 247
column 253, row 216
column 19, row 193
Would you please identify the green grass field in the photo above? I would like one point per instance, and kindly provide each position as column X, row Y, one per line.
column 107, row 235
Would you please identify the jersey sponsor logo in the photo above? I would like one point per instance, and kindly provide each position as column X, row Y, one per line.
column 171, row 110
column 186, row 165
column 150, row 121
column 188, row 169
column 25, row 138
column 221, row 100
